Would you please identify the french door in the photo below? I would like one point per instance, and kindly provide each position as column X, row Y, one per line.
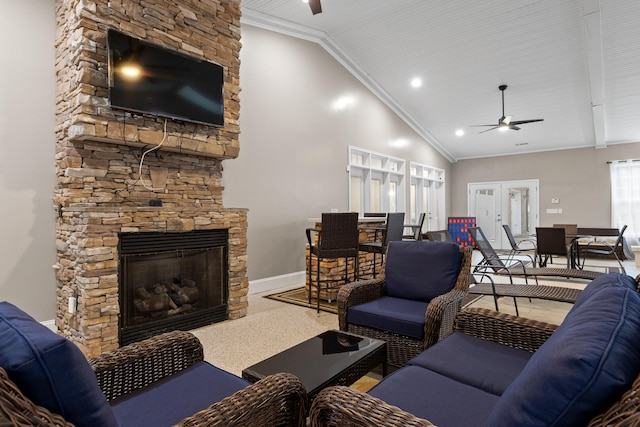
column 506, row 202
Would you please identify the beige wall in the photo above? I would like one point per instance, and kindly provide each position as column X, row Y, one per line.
column 579, row 178
column 27, row 149
column 294, row 144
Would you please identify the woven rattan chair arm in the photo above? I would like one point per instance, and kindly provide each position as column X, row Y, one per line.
column 18, row 410
column 440, row 316
column 623, row 413
column 342, row 406
column 276, row 400
column 139, row 364
column 355, row 293
column 506, row 329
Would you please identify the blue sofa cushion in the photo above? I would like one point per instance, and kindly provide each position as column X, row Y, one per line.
column 51, row 370
column 585, row 366
column 441, row 400
column 401, row 316
column 483, row 364
column 421, row 270
column 172, row 399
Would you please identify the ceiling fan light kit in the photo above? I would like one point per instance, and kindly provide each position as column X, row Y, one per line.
column 505, row 122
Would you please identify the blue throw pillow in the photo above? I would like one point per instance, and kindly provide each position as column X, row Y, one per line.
column 51, row 370
column 585, row 366
column 421, row 270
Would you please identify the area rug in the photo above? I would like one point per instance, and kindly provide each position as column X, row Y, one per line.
column 298, row 296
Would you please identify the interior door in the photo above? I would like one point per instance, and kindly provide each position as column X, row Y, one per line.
column 507, row 202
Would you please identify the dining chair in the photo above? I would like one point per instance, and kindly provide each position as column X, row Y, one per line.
column 551, row 241
column 517, row 247
column 603, row 248
column 390, row 231
column 337, row 238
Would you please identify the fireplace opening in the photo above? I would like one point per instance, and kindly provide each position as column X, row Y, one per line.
column 171, row 281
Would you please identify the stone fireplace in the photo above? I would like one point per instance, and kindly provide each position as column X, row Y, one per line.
column 120, row 174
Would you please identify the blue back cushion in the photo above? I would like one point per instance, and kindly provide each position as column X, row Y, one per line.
column 421, row 270
column 50, row 370
column 585, row 366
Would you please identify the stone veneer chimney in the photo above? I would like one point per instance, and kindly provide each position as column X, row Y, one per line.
column 99, row 191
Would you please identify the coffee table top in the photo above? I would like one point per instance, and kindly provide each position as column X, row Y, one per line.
column 327, row 359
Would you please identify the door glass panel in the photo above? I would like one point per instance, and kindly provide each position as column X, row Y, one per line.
column 519, row 216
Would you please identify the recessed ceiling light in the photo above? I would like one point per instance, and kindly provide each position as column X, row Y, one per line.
column 416, row 82
column 459, row 132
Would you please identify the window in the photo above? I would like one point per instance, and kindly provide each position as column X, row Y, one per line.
column 625, row 197
column 376, row 182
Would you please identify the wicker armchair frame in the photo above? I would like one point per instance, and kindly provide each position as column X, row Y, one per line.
column 439, row 316
column 278, row 400
column 340, row 406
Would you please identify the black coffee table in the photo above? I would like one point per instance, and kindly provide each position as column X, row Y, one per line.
column 331, row 358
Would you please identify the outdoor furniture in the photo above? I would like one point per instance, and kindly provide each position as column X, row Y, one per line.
column 391, row 231
column 551, row 241
column 497, row 369
column 330, row 358
column 493, row 264
column 602, row 248
column 337, row 238
column 517, row 247
column 439, row 236
column 162, row 381
column 414, row 305
column 416, row 229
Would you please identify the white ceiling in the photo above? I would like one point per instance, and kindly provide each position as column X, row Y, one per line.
column 574, row 63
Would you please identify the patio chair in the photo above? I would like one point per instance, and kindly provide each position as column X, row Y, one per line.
column 414, row 305
column 552, row 241
column 338, row 238
column 162, row 381
column 391, row 231
column 416, row 229
column 517, row 247
column 602, row 248
column 439, row 236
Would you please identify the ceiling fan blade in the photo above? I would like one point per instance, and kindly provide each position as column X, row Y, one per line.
column 474, row 126
column 494, row 127
column 513, row 127
column 521, row 122
column 316, row 7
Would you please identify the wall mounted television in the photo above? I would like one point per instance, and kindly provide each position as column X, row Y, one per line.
column 147, row 78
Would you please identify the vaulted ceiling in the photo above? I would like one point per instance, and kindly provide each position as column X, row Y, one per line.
column 573, row 63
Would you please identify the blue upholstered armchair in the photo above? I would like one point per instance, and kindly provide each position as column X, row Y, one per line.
column 414, row 305
column 45, row 380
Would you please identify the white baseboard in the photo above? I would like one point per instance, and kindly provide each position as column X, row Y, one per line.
column 277, row 282
column 51, row 324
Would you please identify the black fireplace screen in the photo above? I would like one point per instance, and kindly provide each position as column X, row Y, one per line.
column 171, row 281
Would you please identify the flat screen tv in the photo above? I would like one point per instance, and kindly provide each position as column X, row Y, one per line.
column 147, row 78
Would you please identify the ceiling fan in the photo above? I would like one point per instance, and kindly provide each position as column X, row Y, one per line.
column 505, row 122
column 315, row 6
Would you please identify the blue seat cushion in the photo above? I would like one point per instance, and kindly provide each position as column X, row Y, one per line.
column 421, row 270
column 50, row 370
column 397, row 315
column 179, row 396
column 483, row 364
column 585, row 366
column 434, row 397
column 604, row 281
